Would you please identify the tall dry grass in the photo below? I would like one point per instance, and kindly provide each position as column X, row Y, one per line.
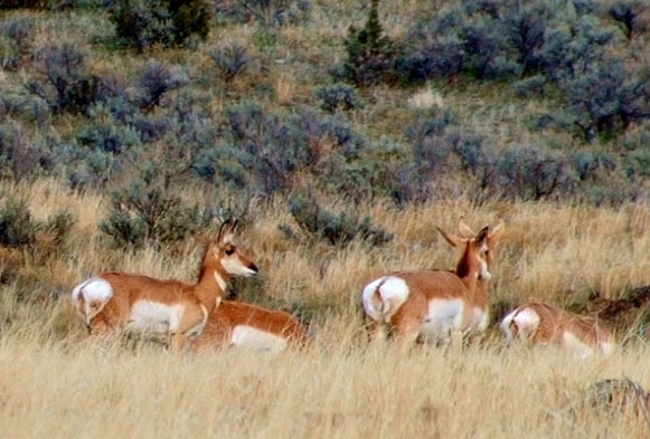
column 90, row 391
column 56, row 384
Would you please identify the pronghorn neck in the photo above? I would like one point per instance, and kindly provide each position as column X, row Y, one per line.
column 213, row 281
column 479, row 293
column 468, row 270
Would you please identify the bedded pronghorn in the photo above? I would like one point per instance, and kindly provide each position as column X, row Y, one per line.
column 438, row 305
column 541, row 323
column 237, row 324
column 137, row 303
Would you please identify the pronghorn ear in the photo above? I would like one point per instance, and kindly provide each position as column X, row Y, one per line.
column 465, row 230
column 483, row 235
column 496, row 233
column 226, row 231
column 454, row 241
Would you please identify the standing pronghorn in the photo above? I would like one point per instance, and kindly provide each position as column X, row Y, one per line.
column 112, row 301
column 237, row 324
column 436, row 304
column 542, row 323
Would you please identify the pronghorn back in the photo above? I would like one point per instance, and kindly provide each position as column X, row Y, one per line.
column 238, row 324
column 542, row 323
column 115, row 300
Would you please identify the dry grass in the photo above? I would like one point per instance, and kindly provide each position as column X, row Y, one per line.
column 55, row 384
column 77, row 390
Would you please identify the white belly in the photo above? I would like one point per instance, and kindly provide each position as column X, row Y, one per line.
column 443, row 317
column 256, row 339
column 573, row 344
column 154, row 317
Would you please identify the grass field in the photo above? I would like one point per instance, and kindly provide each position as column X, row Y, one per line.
column 58, row 390
column 56, row 384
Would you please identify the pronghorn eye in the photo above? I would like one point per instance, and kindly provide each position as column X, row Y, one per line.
column 230, row 250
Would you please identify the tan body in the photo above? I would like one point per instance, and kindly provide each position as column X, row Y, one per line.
column 237, row 324
column 542, row 323
column 114, row 301
column 436, row 305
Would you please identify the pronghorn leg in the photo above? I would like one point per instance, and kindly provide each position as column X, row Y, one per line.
column 377, row 333
column 177, row 342
column 101, row 329
column 455, row 342
column 407, row 333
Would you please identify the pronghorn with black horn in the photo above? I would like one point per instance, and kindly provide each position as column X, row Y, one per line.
column 113, row 301
column 545, row 324
column 438, row 305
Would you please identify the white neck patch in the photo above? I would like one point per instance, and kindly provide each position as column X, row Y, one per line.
column 484, row 274
column 220, row 281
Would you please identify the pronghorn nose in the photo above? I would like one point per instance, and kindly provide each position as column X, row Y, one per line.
column 253, row 267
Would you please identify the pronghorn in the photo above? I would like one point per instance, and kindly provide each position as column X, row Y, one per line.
column 439, row 305
column 136, row 303
column 541, row 323
column 239, row 324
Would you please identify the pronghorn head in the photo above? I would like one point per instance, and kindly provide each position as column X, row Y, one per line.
column 478, row 249
column 225, row 257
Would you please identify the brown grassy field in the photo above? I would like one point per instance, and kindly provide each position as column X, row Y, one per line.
column 55, row 383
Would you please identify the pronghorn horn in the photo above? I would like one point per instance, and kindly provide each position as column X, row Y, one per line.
column 225, row 229
column 497, row 230
column 454, row 241
column 465, row 230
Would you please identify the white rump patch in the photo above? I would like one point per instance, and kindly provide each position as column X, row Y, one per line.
column 96, row 292
column 236, row 268
column 527, row 322
column 505, row 326
column 257, row 339
column 393, row 292
column 93, row 289
column 443, row 316
column 155, row 317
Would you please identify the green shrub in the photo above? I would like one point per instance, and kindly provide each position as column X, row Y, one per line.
column 16, row 45
column 39, row 239
column 335, row 229
column 144, row 213
column 370, row 54
column 627, row 13
column 155, row 81
column 147, row 211
column 62, row 80
column 144, row 23
column 20, row 157
column 337, row 97
column 270, row 13
column 232, row 60
column 17, row 229
column 28, row 4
